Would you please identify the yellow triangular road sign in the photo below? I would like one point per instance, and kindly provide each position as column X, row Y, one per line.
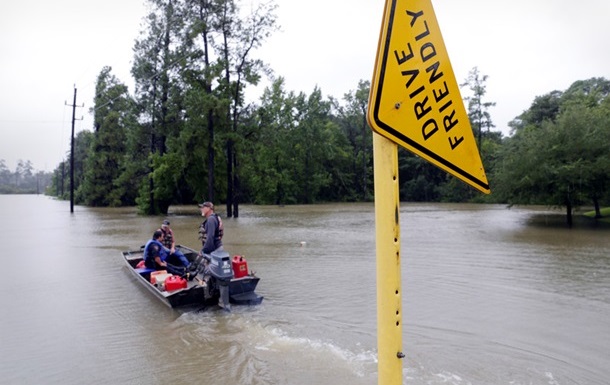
column 415, row 100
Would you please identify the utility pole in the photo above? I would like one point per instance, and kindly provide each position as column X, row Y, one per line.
column 73, row 105
column 63, row 177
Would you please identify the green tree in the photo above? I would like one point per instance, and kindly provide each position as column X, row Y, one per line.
column 240, row 38
column 298, row 153
column 82, row 148
column 113, row 114
column 222, row 40
column 477, row 107
column 488, row 140
column 206, row 107
column 159, row 92
column 584, row 130
column 60, row 180
column 351, row 118
column 560, row 160
column 269, row 172
column 312, row 145
column 544, row 108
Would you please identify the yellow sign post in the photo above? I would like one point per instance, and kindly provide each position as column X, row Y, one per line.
column 387, row 234
column 415, row 102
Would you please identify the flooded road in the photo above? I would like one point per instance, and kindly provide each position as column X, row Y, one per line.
column 490, row 296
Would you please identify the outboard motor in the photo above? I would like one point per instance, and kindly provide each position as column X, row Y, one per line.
column 220, row 269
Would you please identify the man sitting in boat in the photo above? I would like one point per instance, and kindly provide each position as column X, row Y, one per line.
column 155, row 256
column 169, row 241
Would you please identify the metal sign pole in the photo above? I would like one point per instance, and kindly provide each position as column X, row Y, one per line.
column 387, row 229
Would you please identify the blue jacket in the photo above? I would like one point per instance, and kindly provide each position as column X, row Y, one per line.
column 154, row 248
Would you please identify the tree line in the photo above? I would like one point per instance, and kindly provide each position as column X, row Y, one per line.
column 24, row 180
column 189, row 133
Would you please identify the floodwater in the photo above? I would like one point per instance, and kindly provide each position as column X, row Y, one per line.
column 491, row 295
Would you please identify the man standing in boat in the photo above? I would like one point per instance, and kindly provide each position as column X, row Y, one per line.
column 213, row 230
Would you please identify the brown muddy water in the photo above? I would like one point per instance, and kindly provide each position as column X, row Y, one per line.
column 491, row 295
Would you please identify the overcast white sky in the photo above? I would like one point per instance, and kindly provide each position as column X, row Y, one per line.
column 527, row 48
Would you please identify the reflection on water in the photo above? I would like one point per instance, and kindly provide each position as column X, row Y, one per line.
column 491, row 296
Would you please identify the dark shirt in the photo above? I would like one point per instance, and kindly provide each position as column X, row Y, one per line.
column 213, row 237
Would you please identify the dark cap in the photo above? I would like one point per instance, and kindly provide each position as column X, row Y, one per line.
column 165, row 223
column 207, row 204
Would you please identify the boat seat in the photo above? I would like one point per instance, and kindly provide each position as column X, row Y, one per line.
column 144, row 270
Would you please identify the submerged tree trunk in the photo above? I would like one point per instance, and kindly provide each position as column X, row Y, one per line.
column 598, row 213
column 229, row 178
column 236, row 187
column 210, row 196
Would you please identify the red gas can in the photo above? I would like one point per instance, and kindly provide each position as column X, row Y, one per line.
column 240, row 266
column 174, row 283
